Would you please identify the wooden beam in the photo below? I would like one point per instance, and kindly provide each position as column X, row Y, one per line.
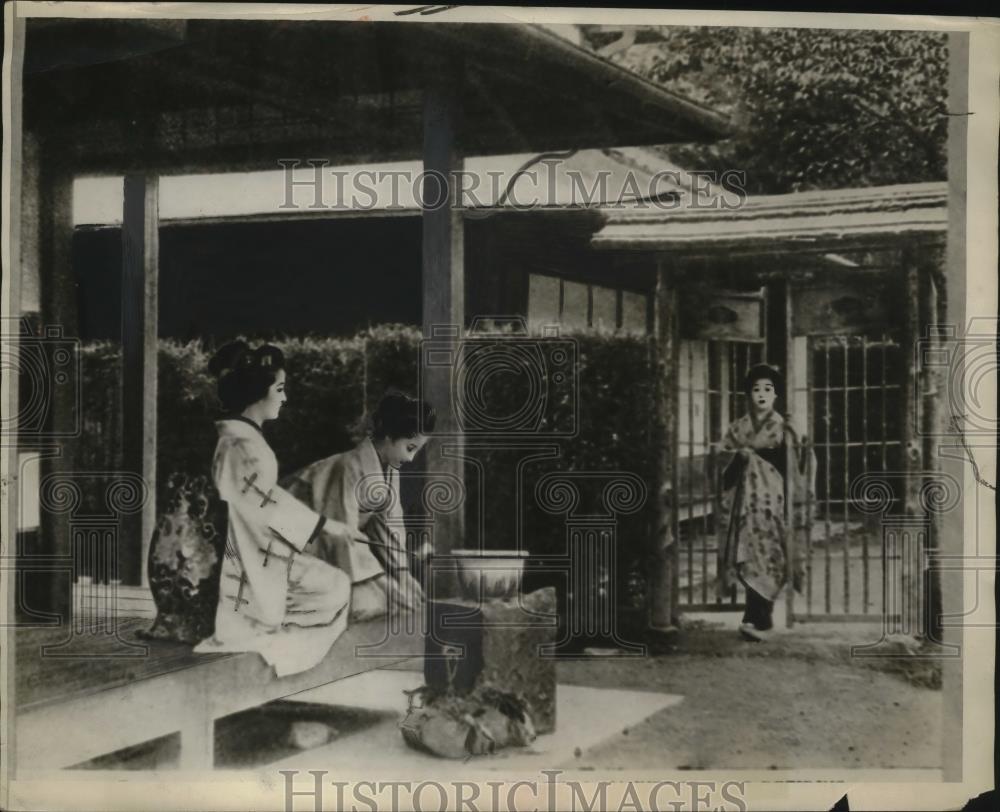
column 443, row 293
column 140, row 269
column 106, row 147
column 664, row 554
column 928, row 229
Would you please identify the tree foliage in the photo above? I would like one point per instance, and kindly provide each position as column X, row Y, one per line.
column 812, row 108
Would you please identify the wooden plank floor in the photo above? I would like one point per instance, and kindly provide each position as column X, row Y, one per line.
column 100, row 662
column 164, row 688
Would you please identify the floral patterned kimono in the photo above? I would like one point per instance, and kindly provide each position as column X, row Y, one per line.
column 353, row 488
column 752, row 531
column 273, row 598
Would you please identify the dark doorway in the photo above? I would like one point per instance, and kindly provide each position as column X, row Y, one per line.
column 267, row 279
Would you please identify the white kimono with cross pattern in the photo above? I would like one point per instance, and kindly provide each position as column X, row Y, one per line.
column 273, row 598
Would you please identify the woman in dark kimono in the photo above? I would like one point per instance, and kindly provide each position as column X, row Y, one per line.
column 755, row 480
column 360, row 488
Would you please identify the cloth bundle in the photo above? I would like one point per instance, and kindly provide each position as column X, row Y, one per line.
column 479, row 723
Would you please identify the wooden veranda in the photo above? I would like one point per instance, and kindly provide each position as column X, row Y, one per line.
column 145, row 98
column 148, row 98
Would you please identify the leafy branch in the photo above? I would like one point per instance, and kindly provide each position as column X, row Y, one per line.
column 813, row 108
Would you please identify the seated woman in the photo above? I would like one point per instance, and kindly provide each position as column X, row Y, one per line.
column 360, row 488
column 753, row 544
column 274, row 598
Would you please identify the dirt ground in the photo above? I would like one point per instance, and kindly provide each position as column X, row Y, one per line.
column 798, row 701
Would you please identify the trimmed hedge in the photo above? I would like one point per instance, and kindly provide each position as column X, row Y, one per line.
column 331, row 381
column 614, row 434
column 99, row 448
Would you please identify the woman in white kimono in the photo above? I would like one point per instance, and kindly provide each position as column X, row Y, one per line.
column 753, row 546
column 274, row 598
column 360, row 488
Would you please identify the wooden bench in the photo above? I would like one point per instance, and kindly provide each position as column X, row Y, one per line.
column 70, row 709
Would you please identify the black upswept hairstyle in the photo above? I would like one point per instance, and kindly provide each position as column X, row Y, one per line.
column 400, row 415
column 244, row 375
column 764, row 372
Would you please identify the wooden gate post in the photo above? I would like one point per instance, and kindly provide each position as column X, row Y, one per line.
column 952, row 312
column 664, row 574
column 933, row 389
column 912, row 581
column 780, row 353
column 784, row 302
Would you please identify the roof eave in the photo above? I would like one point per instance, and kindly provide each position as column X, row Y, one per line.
column 715, row 124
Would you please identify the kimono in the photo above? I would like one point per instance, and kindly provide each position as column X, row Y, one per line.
column 752, row 527
column 273, row 598
column 355, row 489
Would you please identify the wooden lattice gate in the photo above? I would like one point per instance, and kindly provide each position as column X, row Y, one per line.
column 854, row 394
column 846, row 387
column 711, row 396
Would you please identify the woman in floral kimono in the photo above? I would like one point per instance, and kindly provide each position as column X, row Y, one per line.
column 360, row 488
column 274, row 598
column 753, row 537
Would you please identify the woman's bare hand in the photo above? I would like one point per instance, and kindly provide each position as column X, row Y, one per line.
column 335, row 528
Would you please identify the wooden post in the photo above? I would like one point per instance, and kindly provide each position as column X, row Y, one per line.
column 197, row 734
column 780, row 353
column 778, row 326
column 912, row 447
column 952, row 541
column 52, row 591
column 443, row 290
column 664, row 573
column 140, row 270
column 933, row 390
column 10, row 300
column 784, row 305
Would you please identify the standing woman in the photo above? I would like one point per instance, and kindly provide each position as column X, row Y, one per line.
column 273, row 598
column 753, row 533
column 360, row 488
